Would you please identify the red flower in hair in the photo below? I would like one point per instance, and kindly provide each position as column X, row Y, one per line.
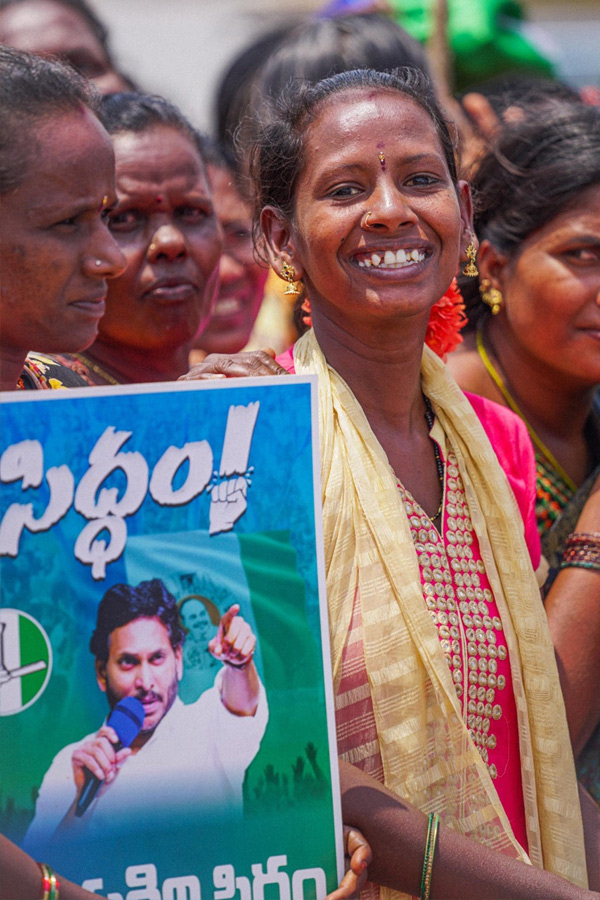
column 446, row 320
column 306, row 313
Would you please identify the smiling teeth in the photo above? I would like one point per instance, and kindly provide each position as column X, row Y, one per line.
column 392, row 259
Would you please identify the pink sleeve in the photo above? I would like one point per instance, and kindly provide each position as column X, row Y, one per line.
column 286, row 360
column 509, row 438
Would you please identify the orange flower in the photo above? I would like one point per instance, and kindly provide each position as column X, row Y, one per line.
column 446, row 320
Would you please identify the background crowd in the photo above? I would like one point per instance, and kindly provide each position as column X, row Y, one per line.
column 384, row 204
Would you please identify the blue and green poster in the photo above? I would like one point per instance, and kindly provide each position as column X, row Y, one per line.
column 138, row 526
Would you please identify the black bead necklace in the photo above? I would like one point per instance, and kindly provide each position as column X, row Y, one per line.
column 430, row 418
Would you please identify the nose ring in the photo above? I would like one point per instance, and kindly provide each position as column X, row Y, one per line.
column 365, row 222
column 152, row 248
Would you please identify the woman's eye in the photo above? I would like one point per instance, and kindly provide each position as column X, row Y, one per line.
column 122, row 221
column 67, row 223
column 422, row 180
column 237, row 233
column 584, row 254
column 343, row 191
column 192, row 213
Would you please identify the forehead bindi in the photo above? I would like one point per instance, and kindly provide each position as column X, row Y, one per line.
column 369, row 128
column 379, row 115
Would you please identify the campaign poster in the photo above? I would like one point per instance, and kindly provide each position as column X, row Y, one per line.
column 132, row 520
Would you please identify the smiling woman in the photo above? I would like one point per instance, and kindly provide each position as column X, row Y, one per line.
column 57, row 184
column 166, row 227
column 442, row 694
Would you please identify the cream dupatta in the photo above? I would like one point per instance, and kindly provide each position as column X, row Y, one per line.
column 428, row 755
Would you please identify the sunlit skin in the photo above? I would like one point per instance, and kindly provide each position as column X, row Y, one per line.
column 546, row 337
column 241, row 278
column 166, row 227
column 413, row 206
column 47, row 28
column 370, row 321
column 56, row 250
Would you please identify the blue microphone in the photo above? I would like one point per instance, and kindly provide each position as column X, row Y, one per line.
column 127, row 719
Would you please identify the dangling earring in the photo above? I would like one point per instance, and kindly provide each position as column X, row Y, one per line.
column 491, row 296
column 289, row 275
column 470, row 268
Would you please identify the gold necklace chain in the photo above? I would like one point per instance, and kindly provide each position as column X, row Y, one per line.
column 95, row 368
column 512, row 403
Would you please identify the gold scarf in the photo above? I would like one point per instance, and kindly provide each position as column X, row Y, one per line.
column 428, row 756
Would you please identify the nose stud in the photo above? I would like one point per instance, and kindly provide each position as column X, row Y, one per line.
column 98, row 263
column 365, row 221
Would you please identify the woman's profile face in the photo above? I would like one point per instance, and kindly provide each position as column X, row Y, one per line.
column 166, row 227
column 48, row 28
column 551, row 290
column 55, row 248
column 241, row 278
column 378, row 224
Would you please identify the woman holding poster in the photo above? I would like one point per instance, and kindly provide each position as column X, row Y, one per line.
column 447, row 688
column 57, row 185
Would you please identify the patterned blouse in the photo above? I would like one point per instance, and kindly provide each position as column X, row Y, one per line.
column 42, row 373
column 457, row 594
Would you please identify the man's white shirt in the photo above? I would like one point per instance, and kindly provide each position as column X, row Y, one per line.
column 195, row 760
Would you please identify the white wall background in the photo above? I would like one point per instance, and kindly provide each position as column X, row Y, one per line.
column 180, row 48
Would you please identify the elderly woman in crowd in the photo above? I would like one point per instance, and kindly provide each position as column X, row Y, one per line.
column 165, row 225
column 57, row 186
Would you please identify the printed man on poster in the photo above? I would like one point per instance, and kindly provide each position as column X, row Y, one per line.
column 185, row 758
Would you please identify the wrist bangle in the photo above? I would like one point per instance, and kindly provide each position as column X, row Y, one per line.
column 430, row 842
column 50, row 883
column 582, row 551
column 585, row 537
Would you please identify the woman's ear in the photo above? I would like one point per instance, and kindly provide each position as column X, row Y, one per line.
column 279, row 242
column 491, row 264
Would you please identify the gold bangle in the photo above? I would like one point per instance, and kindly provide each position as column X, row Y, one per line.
column 50, row 883
column 430, row 842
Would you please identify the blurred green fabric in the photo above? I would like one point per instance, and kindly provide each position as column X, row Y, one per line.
column 487, row 37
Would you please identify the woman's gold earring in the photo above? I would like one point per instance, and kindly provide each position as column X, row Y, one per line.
column 470, row 268
column 491, row 296
column 289, row 275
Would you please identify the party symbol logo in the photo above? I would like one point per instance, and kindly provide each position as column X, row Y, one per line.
column 25, row 661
